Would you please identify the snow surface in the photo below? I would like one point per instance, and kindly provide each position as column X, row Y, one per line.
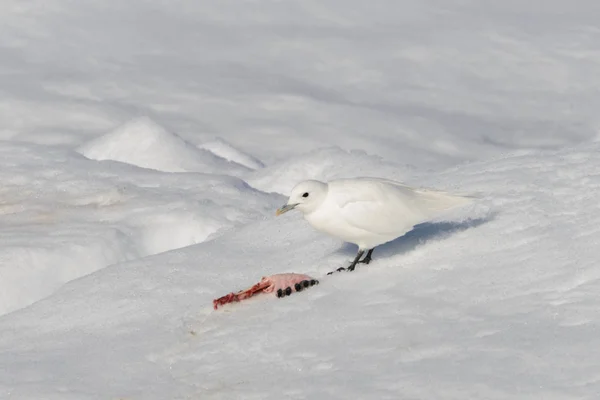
column 229, row 152
column 144, row 148
column 144, row 143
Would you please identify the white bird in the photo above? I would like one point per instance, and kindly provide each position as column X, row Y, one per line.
column 367, row 211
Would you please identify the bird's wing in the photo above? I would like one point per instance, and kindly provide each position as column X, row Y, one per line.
column 369, row 206
column 386, row 207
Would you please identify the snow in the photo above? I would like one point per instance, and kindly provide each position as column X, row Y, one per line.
column 144, row 149
column 144, row 143
column 226, row 150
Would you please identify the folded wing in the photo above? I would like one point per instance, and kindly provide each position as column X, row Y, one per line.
column 385, row 207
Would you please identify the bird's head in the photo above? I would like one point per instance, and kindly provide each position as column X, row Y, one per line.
column 305, row 197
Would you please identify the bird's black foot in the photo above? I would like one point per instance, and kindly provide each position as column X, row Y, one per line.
column 353, row 264
column 340, row 269
column 367, row 258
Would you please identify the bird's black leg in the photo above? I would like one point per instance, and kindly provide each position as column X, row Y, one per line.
column 356, row 260
column 367, row 258
column 351, row 266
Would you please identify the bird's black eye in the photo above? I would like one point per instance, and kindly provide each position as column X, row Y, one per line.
column 305, row 194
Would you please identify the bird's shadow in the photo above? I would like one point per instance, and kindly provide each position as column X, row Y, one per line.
column 418, row 235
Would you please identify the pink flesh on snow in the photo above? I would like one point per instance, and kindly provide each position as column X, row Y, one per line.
column 269, row 284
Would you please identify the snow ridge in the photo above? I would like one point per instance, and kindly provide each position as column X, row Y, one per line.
column 144, row 143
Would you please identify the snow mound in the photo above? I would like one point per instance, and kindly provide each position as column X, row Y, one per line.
column 322, row 164
column 63, row 216
column 227, row 151
column 144, row 143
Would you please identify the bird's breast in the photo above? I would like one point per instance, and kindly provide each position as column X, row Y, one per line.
column 333, row 223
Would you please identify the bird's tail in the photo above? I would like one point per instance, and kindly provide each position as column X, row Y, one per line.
column 437, row 201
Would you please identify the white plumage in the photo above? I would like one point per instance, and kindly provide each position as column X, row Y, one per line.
column 368, row 211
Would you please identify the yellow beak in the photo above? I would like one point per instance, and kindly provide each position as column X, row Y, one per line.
column 285, row 209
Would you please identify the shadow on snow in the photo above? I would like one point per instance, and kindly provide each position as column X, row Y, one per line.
column 418, row 235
